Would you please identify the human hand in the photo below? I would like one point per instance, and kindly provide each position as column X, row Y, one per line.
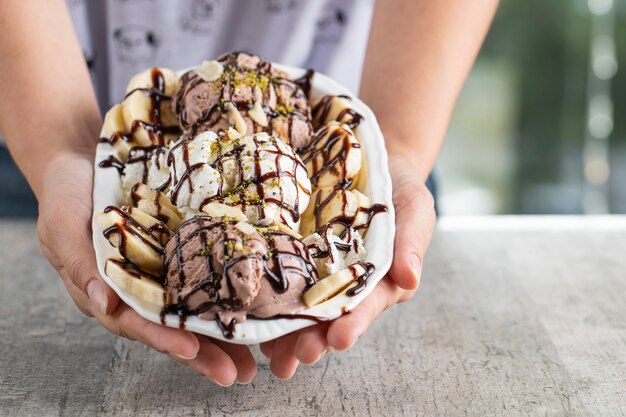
column 415, row 221
column 64, row 226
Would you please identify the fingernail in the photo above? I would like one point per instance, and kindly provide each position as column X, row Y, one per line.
column 244, row 382
column 186, row 358
column 416, row 266
column 97, row 295
column 222, row 385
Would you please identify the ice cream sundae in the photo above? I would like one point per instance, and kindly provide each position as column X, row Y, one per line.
column 240, row 193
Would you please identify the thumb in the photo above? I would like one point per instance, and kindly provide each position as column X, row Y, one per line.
column 415, row 221
column 65, row 226
column 66, row 241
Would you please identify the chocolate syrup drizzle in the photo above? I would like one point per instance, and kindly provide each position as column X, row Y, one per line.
column 347, row 116
column 232, row 71
column 278, row 271
column 257, row 181
column 155, row 128
column 112, row 162
column 334, row 135
column 132, row 227
column 361, row 279
column 278, row 276
column 346, row 234
column 159, row 231
column 343, row 219
column 134, row 197
column 115, row 138
column 143, row 155
column 134, row 270
column 304, row 82
column 329, row 162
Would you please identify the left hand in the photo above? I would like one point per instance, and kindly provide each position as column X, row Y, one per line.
column 415, row 221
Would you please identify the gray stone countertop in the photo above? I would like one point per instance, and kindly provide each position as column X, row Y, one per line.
column 514, row 316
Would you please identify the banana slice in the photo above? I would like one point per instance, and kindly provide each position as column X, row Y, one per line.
column 283, row 228
column 131, row 239
column 333, row 284
column 159, row 231
column 333, row 157
column 115, row 133
column 209, row 70
column 223, row 210
column 132, row 280
column 156, row 204
column 363, row 214
column 258, row 114
column 337, row 207
column 236, row 119
column 335, row 108
column 150, row 88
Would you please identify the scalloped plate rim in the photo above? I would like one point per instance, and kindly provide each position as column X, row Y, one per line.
column 380, row 235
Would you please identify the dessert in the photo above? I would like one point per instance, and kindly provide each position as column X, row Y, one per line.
column 333, row 158
column 335, row 108
column 240, row 194
column 243, row 91
column 260, row 174
column 225, row 267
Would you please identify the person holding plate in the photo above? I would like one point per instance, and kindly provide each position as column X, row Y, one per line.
column 64, row 61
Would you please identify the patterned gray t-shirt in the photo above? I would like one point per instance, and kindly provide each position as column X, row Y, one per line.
column 122, row 37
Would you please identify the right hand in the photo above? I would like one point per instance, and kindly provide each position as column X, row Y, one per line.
column 64, row 227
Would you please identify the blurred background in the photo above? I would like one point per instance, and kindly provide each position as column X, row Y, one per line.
column 537, row 129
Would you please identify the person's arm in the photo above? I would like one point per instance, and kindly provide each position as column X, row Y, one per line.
column 419, row 54
column 50, row 120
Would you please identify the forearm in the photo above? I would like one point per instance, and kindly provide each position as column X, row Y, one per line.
column 47, row 103
column 418, row 56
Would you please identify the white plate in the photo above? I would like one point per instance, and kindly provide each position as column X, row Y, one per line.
column 378, row 241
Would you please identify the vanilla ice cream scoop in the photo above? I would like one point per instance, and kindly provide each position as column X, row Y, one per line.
column 260, row 174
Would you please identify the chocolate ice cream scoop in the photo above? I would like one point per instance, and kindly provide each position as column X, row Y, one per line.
column 290, row 271
column 217, row 267
column 264, row 97
column 210, row 262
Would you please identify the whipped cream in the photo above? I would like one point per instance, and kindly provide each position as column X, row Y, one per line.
column 334, row 253
column 147, row 166
column 260, row 174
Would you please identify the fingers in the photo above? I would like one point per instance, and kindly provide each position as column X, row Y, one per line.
column 415, row 221
column 307, row 346
column 346, row 330
column 283, row 363
column 221, row 364
column 127, row 323
column 243, row 360
column 80, row 300
column 74, row 253
column 311, row 344
column 212, row 362
column 267, row 348
column 64, row 227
